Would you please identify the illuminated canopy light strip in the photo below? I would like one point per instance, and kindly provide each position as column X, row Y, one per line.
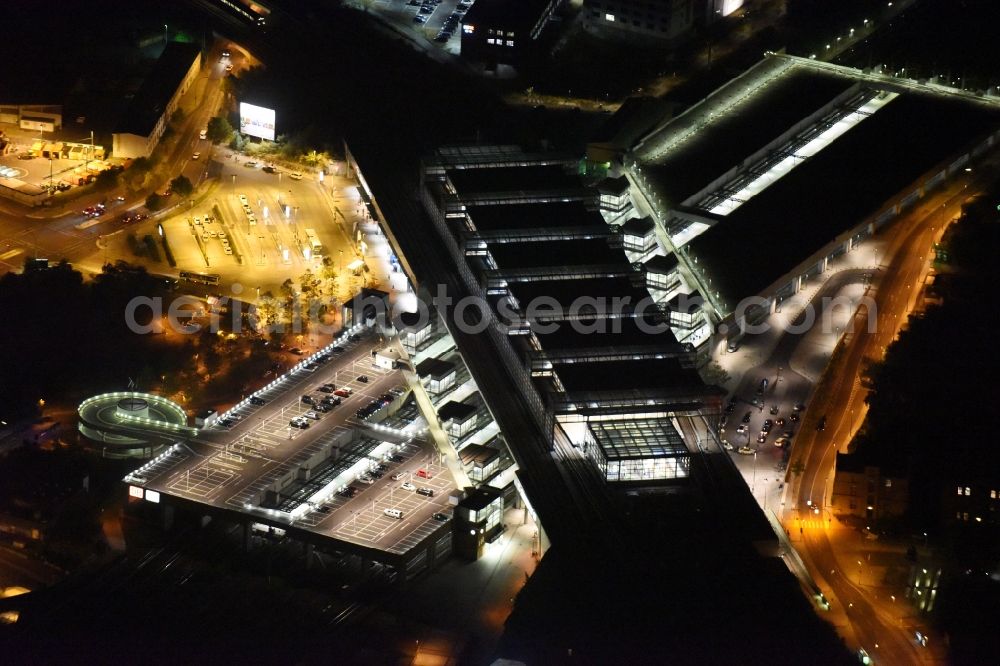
column 813, row 147
column 721, row 103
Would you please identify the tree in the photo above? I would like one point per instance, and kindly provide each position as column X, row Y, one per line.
column 106, row 180
column 237, row 143
column 182, row 185
column 135, row 176
column 713, row 373
column 219, row 130
column 154, row 201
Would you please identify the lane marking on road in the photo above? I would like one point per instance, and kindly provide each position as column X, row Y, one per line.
column 10, row 254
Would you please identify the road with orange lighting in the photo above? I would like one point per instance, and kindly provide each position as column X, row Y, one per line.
column 840, row 398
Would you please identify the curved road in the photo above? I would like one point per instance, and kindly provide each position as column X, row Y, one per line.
column 840, row 398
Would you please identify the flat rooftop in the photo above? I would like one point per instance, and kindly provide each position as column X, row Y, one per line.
column 624, row 332
column 638, row 438
column 722, row 143
column 565, row 292
column 287, row 477
column 157, row 88
column 662, row 263
column 458, row 411
column 513, row 179
column 534, row 216
column 836, row 189
column 478, row 454
column 539, row 254
column 494, row 13
column 435, row 368
column 648, row 374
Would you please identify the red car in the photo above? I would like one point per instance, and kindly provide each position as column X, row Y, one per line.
column 423, row 474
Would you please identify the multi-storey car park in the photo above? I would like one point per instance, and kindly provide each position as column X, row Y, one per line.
column 361, row 477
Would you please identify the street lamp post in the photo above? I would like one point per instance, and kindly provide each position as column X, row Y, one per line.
column 165, row 38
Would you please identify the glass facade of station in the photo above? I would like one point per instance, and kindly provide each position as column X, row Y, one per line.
column 637, row 450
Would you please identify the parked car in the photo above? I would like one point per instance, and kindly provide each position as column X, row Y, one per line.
column 408, row 486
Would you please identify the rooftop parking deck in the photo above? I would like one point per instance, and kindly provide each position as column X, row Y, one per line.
column 265, row 469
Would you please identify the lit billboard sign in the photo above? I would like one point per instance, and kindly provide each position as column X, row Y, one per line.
column 153, row 496
column 257, row 121
column 135, row 491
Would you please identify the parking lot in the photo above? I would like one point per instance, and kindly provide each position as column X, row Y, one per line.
column 255, row 446
column 65, row 173
column 438, row 20
column 765, row 418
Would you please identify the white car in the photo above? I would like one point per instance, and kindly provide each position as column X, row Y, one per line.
column 197, row 221
column 196, row 156
column 408, row 486
column 227, row 249
column 244, row 200
column 222, row 234
column 295, row 176
column 397, row 476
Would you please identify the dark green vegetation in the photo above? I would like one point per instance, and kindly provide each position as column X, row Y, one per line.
column 930, row 418
column 70, row 336
column 937, row 382
column 69, row 339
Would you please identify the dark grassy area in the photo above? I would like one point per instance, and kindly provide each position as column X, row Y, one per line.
column 586, row 66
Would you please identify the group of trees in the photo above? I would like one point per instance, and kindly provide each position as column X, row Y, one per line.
column 935, row 383
column 71, row 339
